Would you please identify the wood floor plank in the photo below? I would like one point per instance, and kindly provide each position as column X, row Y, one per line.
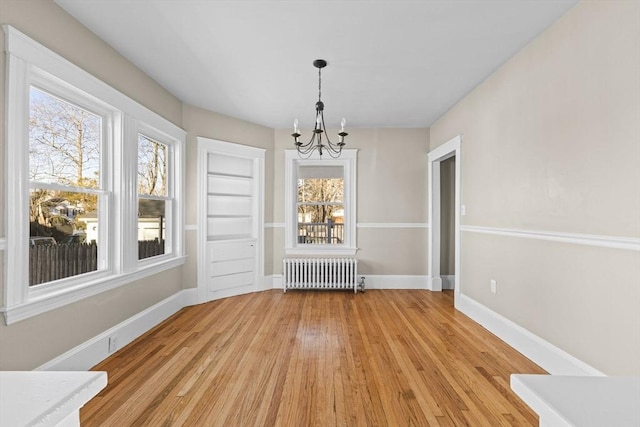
column 313, row 358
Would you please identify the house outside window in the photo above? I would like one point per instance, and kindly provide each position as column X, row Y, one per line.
column 320, row 204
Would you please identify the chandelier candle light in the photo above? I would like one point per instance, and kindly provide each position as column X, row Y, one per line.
column 316, row 141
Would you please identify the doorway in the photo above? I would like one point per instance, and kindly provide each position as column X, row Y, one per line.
column 445, row 158
column 230, row 219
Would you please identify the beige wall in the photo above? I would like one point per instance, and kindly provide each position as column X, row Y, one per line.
column 198, row 122
column 32, row 342
column 552, row 142
column 392, row 189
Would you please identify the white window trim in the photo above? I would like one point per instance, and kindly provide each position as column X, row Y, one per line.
column 348, row 160
column 28, row 62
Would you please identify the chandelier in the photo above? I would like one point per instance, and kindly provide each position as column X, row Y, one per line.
column 317, row 142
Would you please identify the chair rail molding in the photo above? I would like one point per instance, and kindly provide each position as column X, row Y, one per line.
column 392, row 225
column 615, row 242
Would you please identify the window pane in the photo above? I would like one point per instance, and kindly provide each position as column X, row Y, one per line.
column 152, row 167
column 63, row 234
column 320, row 208
column 64, row 142
column 151, row 227
column 327, row 190
column 320, row 224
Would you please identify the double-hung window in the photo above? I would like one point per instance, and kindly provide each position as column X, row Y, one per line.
column 93, row 184
column 68, row 181
column 320, row 204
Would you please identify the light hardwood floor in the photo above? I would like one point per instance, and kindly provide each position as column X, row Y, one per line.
column 307, row 358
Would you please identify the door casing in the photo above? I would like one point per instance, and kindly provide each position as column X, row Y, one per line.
column 451, row 148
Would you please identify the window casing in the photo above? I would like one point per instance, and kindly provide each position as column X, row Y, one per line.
column 325, row 225
column 111, row 181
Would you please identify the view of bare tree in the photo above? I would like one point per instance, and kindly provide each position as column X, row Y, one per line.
column 320, row 198
column 64, row 142
column 152, row 167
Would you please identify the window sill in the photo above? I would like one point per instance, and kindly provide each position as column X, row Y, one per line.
column 51, row 301
column 321, row 250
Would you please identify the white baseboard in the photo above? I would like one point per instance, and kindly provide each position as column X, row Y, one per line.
column 544, row 354
column 374, row 281
column 273, row 282
column 448, row 282
column 95, row 350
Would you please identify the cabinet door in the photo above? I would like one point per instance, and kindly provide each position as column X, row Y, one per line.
column 231, row 267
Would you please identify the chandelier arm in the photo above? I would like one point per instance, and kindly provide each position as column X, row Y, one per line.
column 326, row 134
column 309, row 146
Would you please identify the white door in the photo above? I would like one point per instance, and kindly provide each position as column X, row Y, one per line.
column 230, row 223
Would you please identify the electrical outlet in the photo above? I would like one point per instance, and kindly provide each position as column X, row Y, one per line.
column 113, row 344
column 494, row 286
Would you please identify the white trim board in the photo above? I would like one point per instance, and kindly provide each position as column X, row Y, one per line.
column 392, row 225
column 96, row 349
column 367, row 225
column 273, row 282
column 543, row 353
column 629, row 243
column 3, row 244
column 387, row 281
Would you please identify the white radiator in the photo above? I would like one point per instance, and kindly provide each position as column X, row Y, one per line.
column 320, row 273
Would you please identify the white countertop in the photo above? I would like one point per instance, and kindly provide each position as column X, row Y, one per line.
column 43, row 398
column 582, row 401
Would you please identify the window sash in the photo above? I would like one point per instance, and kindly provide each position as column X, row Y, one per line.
column 70, row 188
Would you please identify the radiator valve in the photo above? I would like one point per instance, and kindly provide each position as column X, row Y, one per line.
column 361, row 284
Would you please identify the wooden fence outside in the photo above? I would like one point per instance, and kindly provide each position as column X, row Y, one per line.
column 54, row 262
column 149, row 248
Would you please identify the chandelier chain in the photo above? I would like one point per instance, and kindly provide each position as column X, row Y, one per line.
column 319, row 84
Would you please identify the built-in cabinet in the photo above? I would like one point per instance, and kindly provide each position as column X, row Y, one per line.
column 231, row 218
column 230, row 197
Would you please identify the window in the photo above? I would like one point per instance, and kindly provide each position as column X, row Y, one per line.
column 320, row 204
column 154, row 201
column 73, row 208
column 65, row 185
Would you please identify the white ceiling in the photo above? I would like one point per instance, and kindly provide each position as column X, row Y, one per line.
column 391, row 63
